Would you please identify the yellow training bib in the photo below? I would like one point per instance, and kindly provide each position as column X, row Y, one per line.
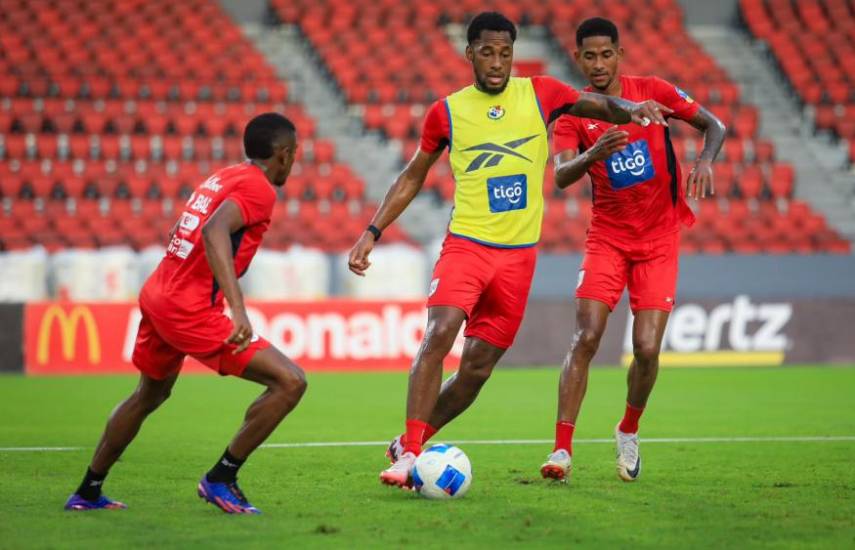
column 498, row 152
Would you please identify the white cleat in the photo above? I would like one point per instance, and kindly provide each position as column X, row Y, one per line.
column 395, row 449
column 628, row 460
column 557, row 466
column 400, row 474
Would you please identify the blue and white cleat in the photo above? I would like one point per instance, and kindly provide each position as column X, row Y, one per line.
column 395, row 449
column 226, row 496
column 557, row 466
column 628, row 459
column 77, row 503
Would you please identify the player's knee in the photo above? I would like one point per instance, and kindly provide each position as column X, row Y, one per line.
column 149, row 401
column 290, row 382
column 478, row 370
column 646, row 354
column 440, row 337
column 587, row 341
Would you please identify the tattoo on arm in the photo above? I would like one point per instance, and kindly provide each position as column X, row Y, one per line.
column 714, row 132
column 602, row 107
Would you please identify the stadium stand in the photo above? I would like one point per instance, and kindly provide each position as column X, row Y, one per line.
column 813, row 44
column 390, row 59
column 111, row 112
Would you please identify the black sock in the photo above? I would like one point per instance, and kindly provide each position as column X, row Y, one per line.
column 90, row 488
column 226, row 469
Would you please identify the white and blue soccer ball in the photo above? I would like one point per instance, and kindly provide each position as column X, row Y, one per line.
column 441, row 472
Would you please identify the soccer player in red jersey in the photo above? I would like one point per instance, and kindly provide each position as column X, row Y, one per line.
column 496, row 133
column 633, row 241
column 211, row 245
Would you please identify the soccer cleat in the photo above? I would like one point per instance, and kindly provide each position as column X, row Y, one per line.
column 400, row 474
column 628, row 459
column 557, row 466
column 395, row 449
column 226, row 496
column 77, row 503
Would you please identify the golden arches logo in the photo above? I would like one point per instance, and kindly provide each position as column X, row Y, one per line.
column 68, row 323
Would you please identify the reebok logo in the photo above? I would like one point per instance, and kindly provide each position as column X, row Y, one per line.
column 494, row 153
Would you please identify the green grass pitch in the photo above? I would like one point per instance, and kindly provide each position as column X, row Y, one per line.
column 691, row 494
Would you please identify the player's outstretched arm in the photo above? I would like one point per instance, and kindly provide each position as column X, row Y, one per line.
column 399, row 196
column 700, row 182
column 216, row 235
column 618, row 110
column 571, row 166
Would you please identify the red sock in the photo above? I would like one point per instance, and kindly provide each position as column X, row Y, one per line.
column 629, row 424
column 564, row 436
column 430, row 431
column 413, row 437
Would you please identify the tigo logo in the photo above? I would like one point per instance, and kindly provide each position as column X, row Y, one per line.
column 494, row 153
column 507, row 193
column 631, row 166
column 68, row 324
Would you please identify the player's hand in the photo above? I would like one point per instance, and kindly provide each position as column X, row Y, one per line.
column 358, row 260
column 241, row 335
column 650, row 111
column 699, row 184
column 610, row 142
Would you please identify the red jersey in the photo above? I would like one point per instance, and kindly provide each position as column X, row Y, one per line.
column 183, row 281
column 553, row 96
column 637, row 192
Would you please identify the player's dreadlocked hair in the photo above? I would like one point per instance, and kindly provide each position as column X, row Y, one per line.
column 489, row 21
column 263, row 131
column 596, row 26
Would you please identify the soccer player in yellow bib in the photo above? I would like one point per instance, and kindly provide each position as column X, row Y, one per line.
column 496, row 133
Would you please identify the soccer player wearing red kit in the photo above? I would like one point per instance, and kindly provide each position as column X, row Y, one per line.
column 633, row 241
column 211, row 245
column 496, row 133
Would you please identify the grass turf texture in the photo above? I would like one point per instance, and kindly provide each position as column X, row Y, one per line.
column 770, row 494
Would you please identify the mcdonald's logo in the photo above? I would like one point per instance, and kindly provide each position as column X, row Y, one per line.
column 68, row 325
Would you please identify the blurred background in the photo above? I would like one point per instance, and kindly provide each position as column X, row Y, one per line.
column 111, row 112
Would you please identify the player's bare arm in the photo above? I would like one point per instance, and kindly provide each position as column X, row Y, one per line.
column 216, row 234
column 700, row 182
column 399, row 196
column 620, row 111
column 570, row 166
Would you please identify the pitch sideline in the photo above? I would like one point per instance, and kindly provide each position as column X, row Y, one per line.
column 461, row 442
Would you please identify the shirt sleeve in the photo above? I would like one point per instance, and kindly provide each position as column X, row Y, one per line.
column 685, row 108
column 255, row 200
column 565, row 135
column 436, row 131
column 554, row 97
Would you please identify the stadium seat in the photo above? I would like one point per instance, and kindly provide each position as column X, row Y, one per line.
column 128, row 115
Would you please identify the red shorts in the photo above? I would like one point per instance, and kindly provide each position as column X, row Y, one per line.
column 648, row 268
column 163, row 340
column 489, row 284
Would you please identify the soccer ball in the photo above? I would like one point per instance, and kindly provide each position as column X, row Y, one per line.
column 442, row 471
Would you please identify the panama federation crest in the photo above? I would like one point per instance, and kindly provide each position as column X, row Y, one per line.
column 495, row 112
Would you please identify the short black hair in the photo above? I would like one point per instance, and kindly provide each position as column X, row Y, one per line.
column 489, row 21
column 596, row 26
column 263, row 131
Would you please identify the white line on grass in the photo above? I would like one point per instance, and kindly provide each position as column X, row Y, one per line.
column 309, row 444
